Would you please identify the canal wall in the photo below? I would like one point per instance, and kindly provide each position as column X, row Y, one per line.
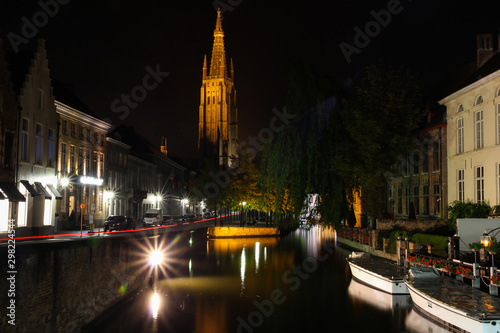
column 60, row 286
column 233, row 232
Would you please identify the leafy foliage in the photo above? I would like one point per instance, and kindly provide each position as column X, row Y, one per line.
column 458, row 209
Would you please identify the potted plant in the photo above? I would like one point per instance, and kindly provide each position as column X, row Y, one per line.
column 495, row 279
column 476, row 246
column 493, row 247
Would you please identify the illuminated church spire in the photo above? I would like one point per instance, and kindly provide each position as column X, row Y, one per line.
column 218, row 122
column 218, row 62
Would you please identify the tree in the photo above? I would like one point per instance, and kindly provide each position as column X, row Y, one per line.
column 300, row 159
column 380, row 120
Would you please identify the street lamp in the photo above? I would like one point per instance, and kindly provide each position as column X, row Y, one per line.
column 158, row 199
column 243, row 203
column 108, row 195
column 184, row 203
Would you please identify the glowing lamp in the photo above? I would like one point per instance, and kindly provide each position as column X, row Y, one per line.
column 155, row 258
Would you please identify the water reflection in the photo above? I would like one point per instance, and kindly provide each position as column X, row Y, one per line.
column 257, row 254
column 416, row 323
column 242, row 270
column 376, row 298
column 155, row 305
column 217, row 285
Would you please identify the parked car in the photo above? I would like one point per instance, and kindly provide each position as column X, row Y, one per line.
column 167, row 219
column 152, row 217
column 119, row 222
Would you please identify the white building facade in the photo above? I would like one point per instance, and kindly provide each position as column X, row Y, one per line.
column 473, row 116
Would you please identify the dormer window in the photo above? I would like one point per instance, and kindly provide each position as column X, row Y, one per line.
column 479, row 100
column 460, row 108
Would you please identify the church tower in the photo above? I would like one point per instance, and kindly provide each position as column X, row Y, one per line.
column 218, row 119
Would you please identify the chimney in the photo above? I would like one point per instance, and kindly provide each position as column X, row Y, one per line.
column 163, row 146
column 484, row 48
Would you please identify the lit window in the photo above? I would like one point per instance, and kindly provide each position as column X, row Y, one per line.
column 460, row 135
column 39, row 144
column 479, row 184
column 52, row 145
column 460, row 185
column 479, row 129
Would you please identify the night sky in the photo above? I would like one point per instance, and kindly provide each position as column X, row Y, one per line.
column 103, row 50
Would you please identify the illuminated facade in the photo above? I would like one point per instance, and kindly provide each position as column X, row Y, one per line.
column 37, row 139
column 81, row 164
column 473, row 115
column 419, row 179
column 218, row 121
column 8, row 144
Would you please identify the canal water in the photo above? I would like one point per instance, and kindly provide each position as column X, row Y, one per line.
column 297, row 283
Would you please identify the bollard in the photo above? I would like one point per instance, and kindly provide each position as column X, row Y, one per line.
column 493, row 289
column 399, row 251
column 476, row 282
column 407, row 249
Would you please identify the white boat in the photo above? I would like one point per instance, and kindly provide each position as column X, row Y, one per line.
column 453, row 304
column 378, row 273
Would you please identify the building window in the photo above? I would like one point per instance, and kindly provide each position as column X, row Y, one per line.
column 87, row 162
column 39, row 144
column 436, row 198
column 24, row 140
column 208, row 99
column 460, row 135
column 460, row 185
column 101, row 140
column 479, row 130
column 425, row 190
column 400, row 200
column 81, row 154
column 498, row 182
column 435, row 156
column 52, row 147
column 63, row 127
column 72, row 158
column 498, row 124
column 81, row 133
column 479, row 184
column 94, row 163
column 88, row 135
column 460, row 108
column 479, row 100
column 63, row 158
column 73, row 130
column 100, row 170
column 416, row 200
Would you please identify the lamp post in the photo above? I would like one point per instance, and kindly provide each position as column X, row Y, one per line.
column 242, row 223
column 82, row 206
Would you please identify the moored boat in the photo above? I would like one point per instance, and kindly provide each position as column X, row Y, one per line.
column 453, row 304
column 378, row 273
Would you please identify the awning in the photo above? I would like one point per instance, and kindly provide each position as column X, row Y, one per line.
column 54, row 191
column 11, row 191
column 42, row 190
column 30, row 188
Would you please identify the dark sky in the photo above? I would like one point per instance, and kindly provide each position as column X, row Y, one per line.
column 103, row 49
